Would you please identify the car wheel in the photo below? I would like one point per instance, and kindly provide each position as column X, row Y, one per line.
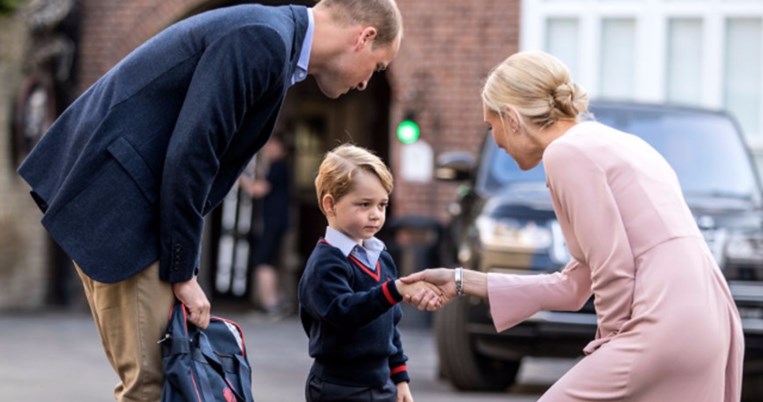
column 459, row 362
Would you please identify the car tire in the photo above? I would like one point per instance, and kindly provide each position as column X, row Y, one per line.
column 459, row 362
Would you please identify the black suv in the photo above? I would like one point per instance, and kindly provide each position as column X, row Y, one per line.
column 503, row 221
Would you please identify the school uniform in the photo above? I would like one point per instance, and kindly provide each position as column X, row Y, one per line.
column 349, row 310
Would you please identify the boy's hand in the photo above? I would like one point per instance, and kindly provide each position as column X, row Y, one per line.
column 404, row 392
column 426, row 295
column 442, row 278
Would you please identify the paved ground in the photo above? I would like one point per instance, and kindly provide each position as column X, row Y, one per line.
column 56, row 356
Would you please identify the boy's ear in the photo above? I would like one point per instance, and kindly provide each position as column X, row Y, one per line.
column 327, row 202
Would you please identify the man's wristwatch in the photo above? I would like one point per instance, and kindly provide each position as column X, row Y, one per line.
column 459, row 273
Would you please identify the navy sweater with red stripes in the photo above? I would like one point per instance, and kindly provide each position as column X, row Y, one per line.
column 350, row 314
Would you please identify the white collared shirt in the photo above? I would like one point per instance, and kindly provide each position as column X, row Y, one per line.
column 368, row 253
column 307, row 46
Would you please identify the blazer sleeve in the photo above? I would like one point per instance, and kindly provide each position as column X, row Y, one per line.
column 583, row 197
column 233, row 72
column 514, row 298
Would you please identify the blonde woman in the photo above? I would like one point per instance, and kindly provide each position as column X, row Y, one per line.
column 668, row 329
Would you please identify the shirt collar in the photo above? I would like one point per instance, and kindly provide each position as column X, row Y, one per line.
column 346, row 245
column 304, row 56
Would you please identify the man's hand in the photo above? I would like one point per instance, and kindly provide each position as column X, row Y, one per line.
column 441, row 277
column 192, row 296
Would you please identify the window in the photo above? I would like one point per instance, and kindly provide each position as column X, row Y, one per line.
column 617, row 71
column 562, row 41
column 742, row 77
column 683, row 82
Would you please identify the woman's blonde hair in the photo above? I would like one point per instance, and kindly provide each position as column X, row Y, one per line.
column 383, row 15
column 538, row 85
column 340, row 166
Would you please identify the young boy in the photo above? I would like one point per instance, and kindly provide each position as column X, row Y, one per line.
column 349, row 293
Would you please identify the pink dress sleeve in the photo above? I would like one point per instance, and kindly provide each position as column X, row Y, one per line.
column 514, row 298
column 592, row 224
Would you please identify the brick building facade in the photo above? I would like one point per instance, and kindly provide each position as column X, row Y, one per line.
column 24, row 253
column 448, row 48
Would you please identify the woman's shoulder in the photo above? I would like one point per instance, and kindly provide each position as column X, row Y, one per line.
column 585, row 138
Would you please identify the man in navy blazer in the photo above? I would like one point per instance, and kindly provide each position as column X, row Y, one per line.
column 126, row 174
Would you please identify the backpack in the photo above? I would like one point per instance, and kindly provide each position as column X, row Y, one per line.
column 206, row 365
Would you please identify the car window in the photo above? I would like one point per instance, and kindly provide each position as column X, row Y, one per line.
column 705, row 150
column 503, row 171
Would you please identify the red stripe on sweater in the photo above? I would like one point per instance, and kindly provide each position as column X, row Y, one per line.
column 376, row 275
column 399, row 369
column 387, row 294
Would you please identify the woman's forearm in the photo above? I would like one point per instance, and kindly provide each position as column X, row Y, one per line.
column 475, row 283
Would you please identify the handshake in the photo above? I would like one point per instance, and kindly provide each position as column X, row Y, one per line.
column 430, row 289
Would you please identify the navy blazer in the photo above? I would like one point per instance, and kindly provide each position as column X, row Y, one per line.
column 128, row 171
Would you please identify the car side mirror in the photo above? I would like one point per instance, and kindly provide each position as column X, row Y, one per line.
column 454, row 166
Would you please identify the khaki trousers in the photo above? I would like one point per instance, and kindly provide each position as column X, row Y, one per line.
column 131, row 317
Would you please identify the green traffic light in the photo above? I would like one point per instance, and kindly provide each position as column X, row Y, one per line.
column 408, row 131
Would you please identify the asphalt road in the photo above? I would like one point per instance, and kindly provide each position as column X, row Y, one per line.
column 56, row 356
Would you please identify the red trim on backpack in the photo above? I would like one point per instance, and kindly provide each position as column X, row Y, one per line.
column 238, row 327
column 195, row 386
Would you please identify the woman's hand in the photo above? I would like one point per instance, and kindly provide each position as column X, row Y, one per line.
column 443, row 278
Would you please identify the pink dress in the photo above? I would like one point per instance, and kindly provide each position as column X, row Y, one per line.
column 668, row 329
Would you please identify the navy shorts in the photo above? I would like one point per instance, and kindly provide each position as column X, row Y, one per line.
column 318, row 390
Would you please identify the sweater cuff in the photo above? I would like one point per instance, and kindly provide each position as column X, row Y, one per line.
column 390, row 292
column 400, row 374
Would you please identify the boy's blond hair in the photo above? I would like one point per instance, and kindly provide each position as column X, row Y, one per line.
column 340, row 166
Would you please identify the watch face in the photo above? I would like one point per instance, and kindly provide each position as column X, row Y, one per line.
column 35, row 112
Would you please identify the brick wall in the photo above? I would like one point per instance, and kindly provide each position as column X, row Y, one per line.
column 448, row 48
column 23, row 243
column 111, row 29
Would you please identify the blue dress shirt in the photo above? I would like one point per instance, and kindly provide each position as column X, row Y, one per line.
column 368, row 253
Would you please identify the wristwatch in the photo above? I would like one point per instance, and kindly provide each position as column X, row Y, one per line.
column 459, row 273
